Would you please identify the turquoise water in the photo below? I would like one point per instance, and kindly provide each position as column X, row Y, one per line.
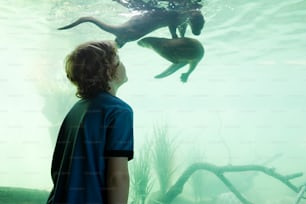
column 244, row 104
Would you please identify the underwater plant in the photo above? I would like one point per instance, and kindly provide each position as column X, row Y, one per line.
column 141, row 182
column 156, row 159
column 163, row 157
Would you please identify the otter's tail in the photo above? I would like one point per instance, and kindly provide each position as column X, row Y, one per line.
column 77, row 22
column 89, row 19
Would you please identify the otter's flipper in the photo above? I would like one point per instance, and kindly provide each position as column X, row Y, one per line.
column 184, row 76
column 170, row 70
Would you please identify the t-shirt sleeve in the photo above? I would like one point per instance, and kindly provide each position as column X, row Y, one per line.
column 120, row 137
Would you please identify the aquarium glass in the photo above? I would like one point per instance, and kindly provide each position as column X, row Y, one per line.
column 239, row 122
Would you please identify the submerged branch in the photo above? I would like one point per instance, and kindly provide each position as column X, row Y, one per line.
column 300, row 194
column 177, row 188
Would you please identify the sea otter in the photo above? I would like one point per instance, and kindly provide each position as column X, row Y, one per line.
column 142, row 24
column 179, row 51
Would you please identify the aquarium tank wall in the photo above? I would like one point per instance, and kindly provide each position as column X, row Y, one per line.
column 232, row 131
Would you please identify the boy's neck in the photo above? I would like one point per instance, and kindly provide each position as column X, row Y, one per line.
column 112, row 92
column 113, row 89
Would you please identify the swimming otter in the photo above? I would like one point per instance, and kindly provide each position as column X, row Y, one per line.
column 142, row 24
column 179, row 51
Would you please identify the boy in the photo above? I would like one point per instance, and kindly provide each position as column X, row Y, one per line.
column 95, row 141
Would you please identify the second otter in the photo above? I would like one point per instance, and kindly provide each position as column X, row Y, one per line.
column 179, row 51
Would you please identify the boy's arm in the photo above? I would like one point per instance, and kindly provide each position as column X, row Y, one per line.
column 117, row 180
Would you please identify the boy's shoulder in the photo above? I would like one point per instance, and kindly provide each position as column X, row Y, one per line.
column 106, row 100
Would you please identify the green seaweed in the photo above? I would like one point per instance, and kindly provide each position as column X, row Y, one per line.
column 141, row 182
column 163, row 157
column 155, row 159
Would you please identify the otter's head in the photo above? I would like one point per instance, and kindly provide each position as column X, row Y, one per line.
column 196, row 21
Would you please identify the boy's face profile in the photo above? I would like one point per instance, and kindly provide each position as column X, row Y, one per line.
column 121, row 76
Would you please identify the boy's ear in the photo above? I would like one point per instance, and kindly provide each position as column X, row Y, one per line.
column 110, row 74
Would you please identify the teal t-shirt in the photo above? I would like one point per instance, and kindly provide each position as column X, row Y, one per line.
column 93, row 130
